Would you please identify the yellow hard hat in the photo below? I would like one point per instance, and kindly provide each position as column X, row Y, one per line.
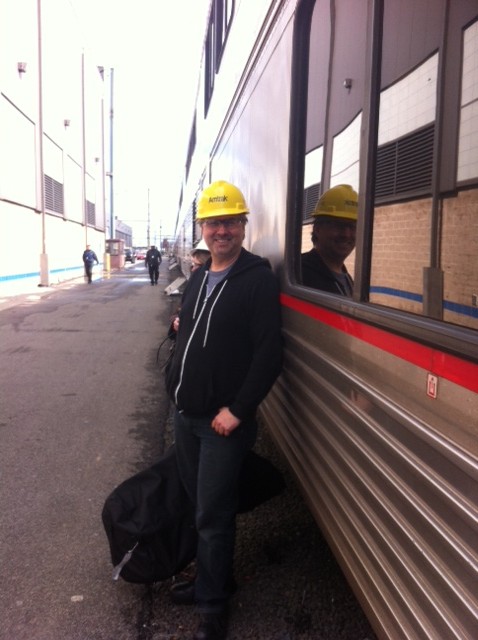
column 338, row 202
column 220, row 199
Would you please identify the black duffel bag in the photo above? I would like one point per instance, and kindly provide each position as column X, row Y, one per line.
column 149, row 519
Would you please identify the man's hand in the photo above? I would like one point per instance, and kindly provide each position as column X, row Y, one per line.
column 225, row 422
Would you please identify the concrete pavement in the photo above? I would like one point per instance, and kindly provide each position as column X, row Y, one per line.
column 82, row 407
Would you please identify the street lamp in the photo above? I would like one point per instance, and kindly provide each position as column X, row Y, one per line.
column 44, row 268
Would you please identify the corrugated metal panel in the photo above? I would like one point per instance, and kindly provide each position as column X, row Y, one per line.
column 396, row 501
column 405, row 165
column 90, row 213
column 311, row 196
column 53, row 194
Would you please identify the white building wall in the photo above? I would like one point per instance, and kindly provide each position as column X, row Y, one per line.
column 72, row 91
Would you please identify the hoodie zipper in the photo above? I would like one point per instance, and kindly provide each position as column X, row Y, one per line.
column 196, row 324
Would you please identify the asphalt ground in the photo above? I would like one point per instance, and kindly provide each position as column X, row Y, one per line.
column 82, row 408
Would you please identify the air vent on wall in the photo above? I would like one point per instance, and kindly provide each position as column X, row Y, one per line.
column 311, row 196
column 53, row 195
column 405, row 165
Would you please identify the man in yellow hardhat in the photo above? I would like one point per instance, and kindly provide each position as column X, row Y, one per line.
column 228, row 354
column 333, row 237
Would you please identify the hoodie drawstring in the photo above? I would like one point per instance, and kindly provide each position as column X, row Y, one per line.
column 204, row 280
column 183, row 361
column 210, row 313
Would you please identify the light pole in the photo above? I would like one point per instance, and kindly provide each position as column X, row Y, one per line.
column 110, row 172
column 106, row 264
column 44, row 269
column 149, row 224
column 83, row 147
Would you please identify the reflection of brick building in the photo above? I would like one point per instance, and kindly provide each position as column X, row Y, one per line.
column 399, row 255
column 423, row 241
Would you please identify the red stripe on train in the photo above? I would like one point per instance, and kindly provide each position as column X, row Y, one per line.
column 437, row 362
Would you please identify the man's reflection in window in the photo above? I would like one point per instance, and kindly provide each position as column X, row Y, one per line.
column 333, row 237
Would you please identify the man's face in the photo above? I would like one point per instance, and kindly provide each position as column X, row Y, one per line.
column 334, row 237
column 224, row 236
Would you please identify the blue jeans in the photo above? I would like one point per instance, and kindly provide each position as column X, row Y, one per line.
column 209, row 466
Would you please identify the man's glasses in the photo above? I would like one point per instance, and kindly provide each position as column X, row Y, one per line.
column 339, row 224
column 228, row 223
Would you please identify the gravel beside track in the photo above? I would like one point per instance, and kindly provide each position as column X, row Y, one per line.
column 290, row 585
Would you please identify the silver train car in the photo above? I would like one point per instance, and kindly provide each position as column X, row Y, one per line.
column 376, row 410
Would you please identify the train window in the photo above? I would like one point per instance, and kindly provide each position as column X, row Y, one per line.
column 224, row 11
column 220, row 19
column 334, row 108
column 192, row 144
column 210, row 66
column 421, row 255
column 468, row 142
column 424, row 250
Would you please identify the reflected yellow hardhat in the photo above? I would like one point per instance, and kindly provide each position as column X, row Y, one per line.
column 220, row 198
column 338, row 202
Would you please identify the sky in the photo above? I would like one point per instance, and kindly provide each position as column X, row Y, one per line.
column 154, row 47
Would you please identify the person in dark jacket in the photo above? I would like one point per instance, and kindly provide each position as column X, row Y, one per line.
column 152, row 261
column 89, row 257
column 228, row 354
column 199, row 256
column 333, row 237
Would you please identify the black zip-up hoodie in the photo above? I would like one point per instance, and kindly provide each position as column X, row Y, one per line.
column 228, row 349
column 316, row 274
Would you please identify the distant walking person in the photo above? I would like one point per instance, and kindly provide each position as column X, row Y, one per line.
column 152, row 261
column 89, row 257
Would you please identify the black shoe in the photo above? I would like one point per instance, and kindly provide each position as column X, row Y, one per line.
column 212, row 626
column 183, row 593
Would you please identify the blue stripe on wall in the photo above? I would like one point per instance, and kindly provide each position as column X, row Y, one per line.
column 36, row 274
column 19, row 276
column 460, row 309
column 398, row 293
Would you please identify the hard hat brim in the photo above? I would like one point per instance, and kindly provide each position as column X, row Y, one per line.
column 222, row 213
column 336, row 214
